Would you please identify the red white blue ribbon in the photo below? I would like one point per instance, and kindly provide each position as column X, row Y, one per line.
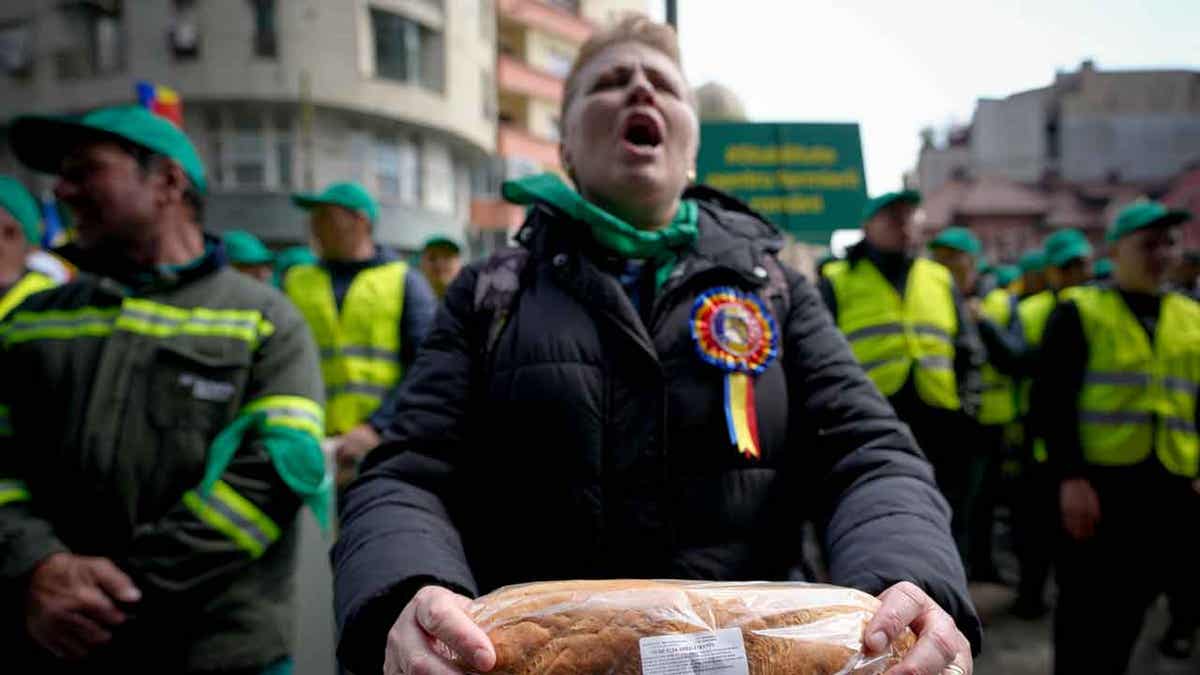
column 734, row 331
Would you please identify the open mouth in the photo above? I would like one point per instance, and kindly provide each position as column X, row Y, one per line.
column 642, row 130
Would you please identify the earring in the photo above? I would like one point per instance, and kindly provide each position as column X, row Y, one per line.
column 691, row 175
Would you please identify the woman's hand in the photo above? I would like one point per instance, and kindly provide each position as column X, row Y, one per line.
column 940, row 648
column 437, row 615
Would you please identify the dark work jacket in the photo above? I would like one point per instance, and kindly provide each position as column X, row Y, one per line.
column 591, row 444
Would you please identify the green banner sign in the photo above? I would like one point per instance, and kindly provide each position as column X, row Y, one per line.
column 806, row 178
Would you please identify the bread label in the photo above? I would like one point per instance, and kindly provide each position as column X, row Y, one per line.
column 717, row 653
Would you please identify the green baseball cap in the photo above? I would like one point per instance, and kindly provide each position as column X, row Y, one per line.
column 244, row 248
column 1032, row 261
column 1006, row 274
column 1064, row 246
column 1143, row 214
column 41, row 141
column 1102, row 268
column 874, row 206
column 959, row 239
column 442, row 240
column 21, row 205
column 347, row 194
column 291, row 257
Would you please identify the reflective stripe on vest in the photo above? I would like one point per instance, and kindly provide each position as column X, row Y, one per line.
column 893, row 336
column 32, row 282
column 140, row 316
column 1139, row 398
column 234, row 516
column 999, row 402
column 360, row 346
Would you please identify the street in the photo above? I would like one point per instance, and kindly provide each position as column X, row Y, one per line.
column 1013, row 646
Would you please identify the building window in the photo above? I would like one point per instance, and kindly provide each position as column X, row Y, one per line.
column 283, row 151
column 387, row 167
column 407, row 51
column 16, row 49
column 248, row 151
column 215, row 162
column 94, row 41
column 410, row 171
column 265, row 42
column 184, row 33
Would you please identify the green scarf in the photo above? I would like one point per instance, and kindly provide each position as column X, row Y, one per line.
column 296, row 455
column 662, row 247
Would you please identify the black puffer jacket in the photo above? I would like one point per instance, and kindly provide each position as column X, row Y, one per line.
column 592, row 446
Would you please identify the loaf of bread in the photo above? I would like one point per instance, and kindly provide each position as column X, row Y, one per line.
column 680, row 627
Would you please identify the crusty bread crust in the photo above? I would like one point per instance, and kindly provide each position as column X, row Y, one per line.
column 594, row 627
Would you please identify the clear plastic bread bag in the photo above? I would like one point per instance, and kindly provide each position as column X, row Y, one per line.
column 681, row 628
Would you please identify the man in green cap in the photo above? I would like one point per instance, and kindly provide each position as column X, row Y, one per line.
column 441, row 261
column 153, row 529
column 909, row 328
column 249, row 255
column 369, row 313
column 20, row 229
column 994, row 314
column 1119, row 374
column 1067, row 256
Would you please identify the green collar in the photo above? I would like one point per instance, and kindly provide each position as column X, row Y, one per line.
column 609, row 231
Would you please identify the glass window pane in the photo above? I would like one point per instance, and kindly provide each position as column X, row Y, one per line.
column 409, row 172
column 283, row 155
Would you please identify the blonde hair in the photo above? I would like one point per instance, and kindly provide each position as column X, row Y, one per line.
column 631, row 27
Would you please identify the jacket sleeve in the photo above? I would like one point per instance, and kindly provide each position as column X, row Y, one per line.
column 26, row 538
column 213, row 533
column 872, row 492
column 1005, row 349
column 416, row 320
column 396, row 530
column 969, row 356
column 828, row 296
column 1054, row 402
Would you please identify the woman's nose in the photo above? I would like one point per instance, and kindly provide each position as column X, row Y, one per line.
column 640, row 89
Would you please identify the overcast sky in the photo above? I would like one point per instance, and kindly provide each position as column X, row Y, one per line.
column 895, row 67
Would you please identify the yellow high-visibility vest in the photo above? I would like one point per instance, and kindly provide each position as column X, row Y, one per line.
column 32, row 282
column 1138, row 396
column 999, row 402
column 360, row 346
column 892, row 336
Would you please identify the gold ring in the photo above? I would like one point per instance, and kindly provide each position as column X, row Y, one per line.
column 954, row 669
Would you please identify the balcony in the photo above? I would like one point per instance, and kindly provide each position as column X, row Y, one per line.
column 513, row 141
column 492, row 215
column 546, row 18
column 518, row 77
